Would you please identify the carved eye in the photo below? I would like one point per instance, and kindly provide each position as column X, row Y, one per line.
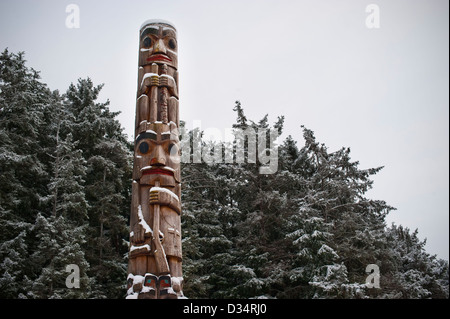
column 173, row 149
column 172, row 44
column 147, row 42
column 143, row 148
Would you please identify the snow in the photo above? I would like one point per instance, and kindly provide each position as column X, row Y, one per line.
column 136, row 278
column 166, row 28
column 167, row 76
column 155, row 21
column 147, row 75
column 146, row 247
column 176, row 281
column 165, row 190
column 325, row 249
column 170, row 291
column 315, row 234
column 151, row 131
column 173, row 52
column 146, row 289
column 142, row 221
column 151, row 27
column 150, row 74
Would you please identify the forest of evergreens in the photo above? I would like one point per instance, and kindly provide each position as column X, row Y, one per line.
column 307, row 231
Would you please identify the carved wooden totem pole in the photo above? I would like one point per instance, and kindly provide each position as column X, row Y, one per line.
column 154, row 268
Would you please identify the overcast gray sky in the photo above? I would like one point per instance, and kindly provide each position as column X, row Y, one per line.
column 383, row 91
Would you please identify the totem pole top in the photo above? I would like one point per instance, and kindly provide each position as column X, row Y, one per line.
column 156, row 21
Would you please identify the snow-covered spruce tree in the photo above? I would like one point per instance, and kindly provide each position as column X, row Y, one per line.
column 228, row 247
column 312, row 259
column 107, row 184
column 259, row 208
column 206, row 244
column 336, row 191
column 51, row 155
column 59, row 245
column 22, row 99
column 23, row 178
column 68, row 168
column 307, row 231
column 14, row 255
column 60, row 232
column 414, row 273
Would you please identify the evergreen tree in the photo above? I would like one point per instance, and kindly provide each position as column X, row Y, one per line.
column 336, row 190
column 64, row 188
column 205, row 243
column 241, row 121
column 59, row 245
column 61, row 235
column 22, row 100
column 14, row 254
column 23, row 177
column 415, row 274
column 108, row 183
column 307, row 231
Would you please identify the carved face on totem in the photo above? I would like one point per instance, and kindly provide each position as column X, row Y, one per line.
column 157, row 155
column 158, row 44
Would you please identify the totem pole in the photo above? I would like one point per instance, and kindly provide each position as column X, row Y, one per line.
column 154, row 268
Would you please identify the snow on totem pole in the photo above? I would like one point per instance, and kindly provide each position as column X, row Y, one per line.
column 154, row 267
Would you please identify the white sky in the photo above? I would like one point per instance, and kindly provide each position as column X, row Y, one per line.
column 382, row 92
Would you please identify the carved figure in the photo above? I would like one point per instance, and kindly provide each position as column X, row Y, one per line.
column 155, row 256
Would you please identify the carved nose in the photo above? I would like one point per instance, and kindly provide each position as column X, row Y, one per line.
column 159, row 158
column 160, row 47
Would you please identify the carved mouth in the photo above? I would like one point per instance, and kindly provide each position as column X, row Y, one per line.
column 159, row 57
column 157, row 170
